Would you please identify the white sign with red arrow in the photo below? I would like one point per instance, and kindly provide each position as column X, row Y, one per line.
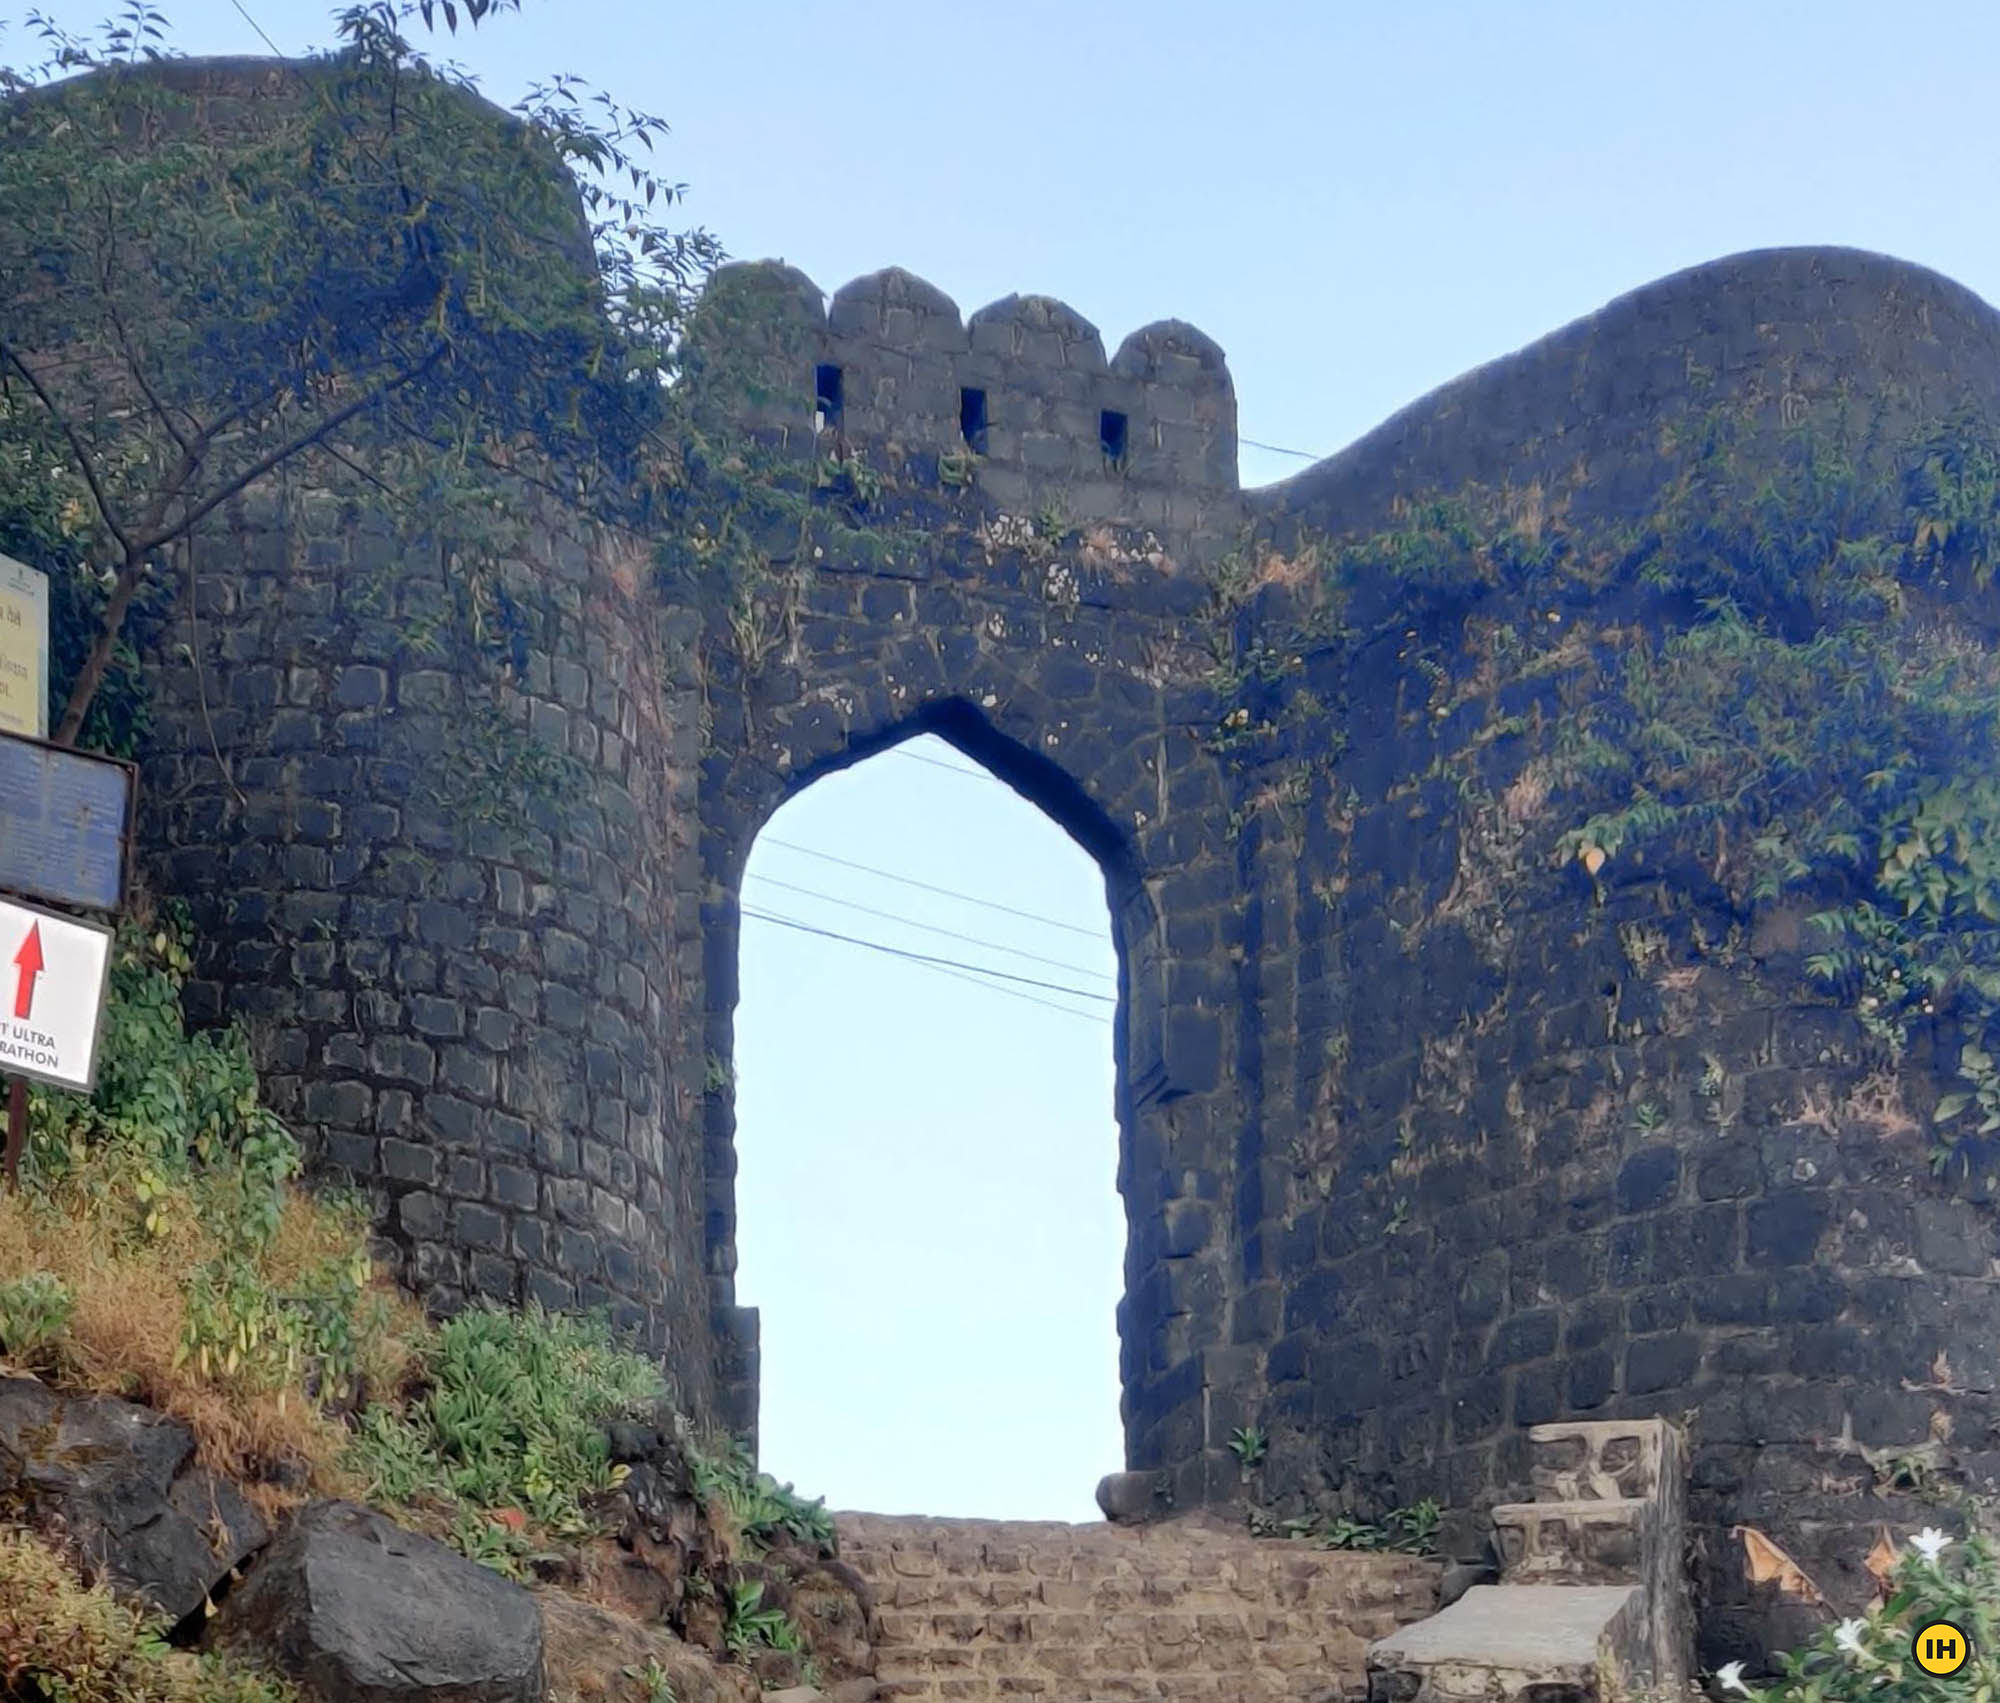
column 52, row 977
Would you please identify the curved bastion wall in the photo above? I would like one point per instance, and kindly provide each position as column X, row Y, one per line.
column 1425, row 1137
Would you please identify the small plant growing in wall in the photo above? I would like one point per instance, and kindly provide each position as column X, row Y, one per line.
column 1249, row 1445
column 1406, row 1531
column 851, row 476
column 657, row 1683
column 748, row 1626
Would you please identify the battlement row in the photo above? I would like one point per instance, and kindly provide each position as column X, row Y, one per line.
column 1023, row 384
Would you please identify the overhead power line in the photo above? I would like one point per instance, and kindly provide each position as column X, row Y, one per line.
column 949, row 768
column 928, row 958
column 927, row 887
column 259, row 28
column 933, row 928
column 1015, row 993
column 1279, row 449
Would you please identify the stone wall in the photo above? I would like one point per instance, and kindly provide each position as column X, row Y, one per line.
column 973, row 1609
column 1575, row 1148
column 467, row 1021
column 1049, row 673
column 1023, row 382
column 1424, row 1137
column 1073, row 675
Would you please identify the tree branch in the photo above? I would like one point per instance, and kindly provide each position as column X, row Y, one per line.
column 78, row 452
column 91, row 676
column 533, row 482
column 104, row 272
column 284, row 452
column 133, row 570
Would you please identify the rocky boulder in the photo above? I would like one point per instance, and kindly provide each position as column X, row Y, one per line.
column 358, row 1610
column 118, row 1484
column 1132, row 1498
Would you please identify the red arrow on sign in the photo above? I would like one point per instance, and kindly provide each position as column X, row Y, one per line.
column 29, row 961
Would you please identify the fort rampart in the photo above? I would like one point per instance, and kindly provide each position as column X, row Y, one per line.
column 1425, row 1136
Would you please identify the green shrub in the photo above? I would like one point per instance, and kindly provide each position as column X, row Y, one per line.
column 761, row 1509
column 513, row 1416
column 1868, row 1656
column 198, row 1277
column 747, row 1626
column 66, row 1643
column 35, row 1310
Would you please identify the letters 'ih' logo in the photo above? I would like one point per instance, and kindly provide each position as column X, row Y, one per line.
column 1941, row 1648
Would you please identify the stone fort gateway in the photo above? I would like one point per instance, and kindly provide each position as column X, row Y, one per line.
column 1428, row 1134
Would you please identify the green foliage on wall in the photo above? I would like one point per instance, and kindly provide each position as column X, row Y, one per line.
column 1795, row 699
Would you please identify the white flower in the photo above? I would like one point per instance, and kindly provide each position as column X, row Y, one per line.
column 1848, row 1635
column 1930, row 1543
column 1730, row 1677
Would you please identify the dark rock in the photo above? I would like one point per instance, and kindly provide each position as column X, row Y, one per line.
column 1460, row 1577
column 1465, row 1537
column 630, row 1442
column 1131, row 1498
column 118, row 1482
column 360, row 1611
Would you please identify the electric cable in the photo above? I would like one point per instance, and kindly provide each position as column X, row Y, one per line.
column 1096, row 1017
column 949, row 768
column 933, row 928
column 927, row 887
column 958, row 975
column 259, row 28
column 928, row 958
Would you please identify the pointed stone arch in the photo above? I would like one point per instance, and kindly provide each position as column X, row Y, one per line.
column 1166, row 1063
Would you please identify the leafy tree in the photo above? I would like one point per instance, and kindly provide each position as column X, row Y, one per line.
column 360, row 270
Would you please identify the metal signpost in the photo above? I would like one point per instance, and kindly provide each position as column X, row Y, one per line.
column 65, row 838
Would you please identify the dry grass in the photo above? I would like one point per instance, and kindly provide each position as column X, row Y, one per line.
column 59, row 1638
column 131, row 1311
column 1877, row 1102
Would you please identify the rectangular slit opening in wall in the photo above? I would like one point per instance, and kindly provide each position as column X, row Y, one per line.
column 1111, row 433
column 826, row 394
column 972, row 419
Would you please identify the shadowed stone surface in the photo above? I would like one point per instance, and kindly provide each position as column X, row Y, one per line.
column 118, row 1483
column 360, row 1611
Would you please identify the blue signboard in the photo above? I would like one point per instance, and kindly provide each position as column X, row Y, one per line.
column 65, row 817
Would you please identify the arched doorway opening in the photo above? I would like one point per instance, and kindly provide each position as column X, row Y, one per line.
column 927, row 1215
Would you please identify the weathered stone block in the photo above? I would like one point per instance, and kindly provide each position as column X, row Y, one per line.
column 352, row 1606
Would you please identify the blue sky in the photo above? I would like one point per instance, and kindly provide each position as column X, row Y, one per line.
column 1358, row 202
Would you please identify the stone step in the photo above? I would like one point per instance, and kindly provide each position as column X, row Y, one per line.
column 1185, row 1611
column 1576, row 1543
column 1603, row 1460
column 1519, row 1644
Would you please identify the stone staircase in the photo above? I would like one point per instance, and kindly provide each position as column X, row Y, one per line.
column 1186, row 1611
column 1592, row 1601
